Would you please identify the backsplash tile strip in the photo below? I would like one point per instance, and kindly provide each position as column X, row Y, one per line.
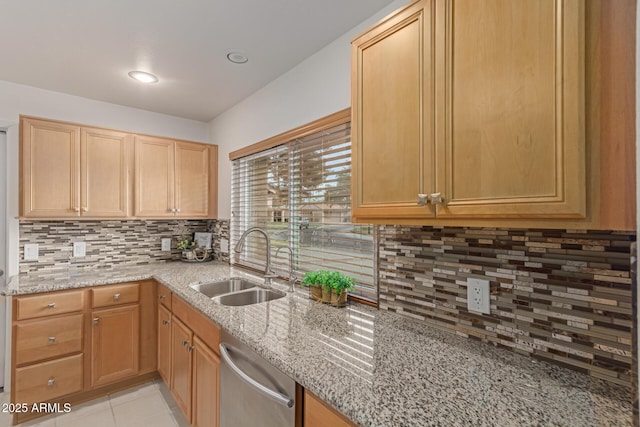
column 564, row 296
column 108, row 243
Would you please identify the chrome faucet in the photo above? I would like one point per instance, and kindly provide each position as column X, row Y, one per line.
column 292, row 276
column 268, row 274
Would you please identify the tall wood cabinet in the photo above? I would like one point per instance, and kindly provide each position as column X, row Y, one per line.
column 173, row 178
column 470, row 109
column 73, row 171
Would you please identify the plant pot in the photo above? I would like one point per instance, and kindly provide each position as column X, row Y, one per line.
column 326, row 294
column 315, row 292
column 339, row 300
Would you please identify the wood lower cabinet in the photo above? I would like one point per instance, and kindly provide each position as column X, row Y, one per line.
column 318, row 414
column 186, row 340
column 69, row 346
column 115, row 344
column 181, row 365
column 164, row 344
column 206, row 385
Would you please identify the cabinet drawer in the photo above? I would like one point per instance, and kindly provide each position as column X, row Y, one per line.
column 105, row 296
column 48, row 338
column 49, row 304
column 164, row 296
column 48, row 380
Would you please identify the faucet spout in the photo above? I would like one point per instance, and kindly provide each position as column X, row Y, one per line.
column 268, row 274
column 292, row 276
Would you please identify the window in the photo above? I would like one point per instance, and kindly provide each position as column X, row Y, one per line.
column 300, row 193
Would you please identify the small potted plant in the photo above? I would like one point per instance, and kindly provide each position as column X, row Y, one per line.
column 314, row 280
column 340, row 285
column 186, row 245
column 328, row 286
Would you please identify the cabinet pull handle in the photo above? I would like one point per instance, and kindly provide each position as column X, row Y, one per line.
column 116, row 297
column 161, row 297
column 185, row 342
column 85, row 209
column 177, row 210
column 76, row 209
column 423, row 199
column 51, row 382
column 52, row 340
column 96, row 320
column 436, row 198
column 51, row 305
column 165, row 322
column 190, row 348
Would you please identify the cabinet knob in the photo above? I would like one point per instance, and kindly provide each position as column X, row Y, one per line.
column 51, row 382
column 185, row 342
column 190, row 348
column 177, row 210
column 161, row 297
column 85, row 209
column 52, row 340
column 116, row 297
column 165, row 322
column 51, row 305
column 96, row 320
column 76, row 209
column 436, row 198
column 423, row 199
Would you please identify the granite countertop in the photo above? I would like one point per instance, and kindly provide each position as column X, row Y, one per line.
column 380, row 369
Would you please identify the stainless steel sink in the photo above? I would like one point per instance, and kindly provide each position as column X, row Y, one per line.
column 234, row 284
column 251, row 296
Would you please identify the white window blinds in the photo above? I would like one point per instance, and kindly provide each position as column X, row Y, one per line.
column 300, row 193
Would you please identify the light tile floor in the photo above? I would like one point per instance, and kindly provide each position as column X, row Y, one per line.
column 150, row 404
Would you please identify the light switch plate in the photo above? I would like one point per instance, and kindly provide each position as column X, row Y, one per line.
column 31, row 252
column 478, row 295
column 166, row 244
column 79, row 249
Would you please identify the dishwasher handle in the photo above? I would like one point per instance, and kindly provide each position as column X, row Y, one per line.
column 282, row 399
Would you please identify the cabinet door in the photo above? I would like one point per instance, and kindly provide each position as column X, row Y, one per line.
column 192, row 180
column 319, row 414
column 392, row 116
column 164, row 344
column 514, row 143
column 50, row 176
column 206, row 383
column 181, row 365
column 154, row 177
column 115, row 344
column 104, row 172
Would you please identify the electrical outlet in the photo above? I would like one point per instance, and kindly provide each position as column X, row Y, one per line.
column 31, row 252
column 79, row 249
column 166, row 244
column 478, row 295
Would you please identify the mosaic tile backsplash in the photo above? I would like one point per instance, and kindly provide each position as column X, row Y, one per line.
column 108, row 243
column 560, row 295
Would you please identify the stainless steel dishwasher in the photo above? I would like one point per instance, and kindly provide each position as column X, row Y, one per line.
column 252, row 391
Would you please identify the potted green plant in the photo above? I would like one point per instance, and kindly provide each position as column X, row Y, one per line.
column 340, row 284
column 186, row 246
column 328, row 286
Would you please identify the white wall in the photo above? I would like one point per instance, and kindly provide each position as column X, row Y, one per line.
column 317, row 87
column 18, row 99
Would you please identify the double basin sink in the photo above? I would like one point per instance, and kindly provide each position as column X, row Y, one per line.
column 236, row 291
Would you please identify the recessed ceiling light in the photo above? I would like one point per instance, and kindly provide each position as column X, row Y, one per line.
column 143, row 77
column 237, row 57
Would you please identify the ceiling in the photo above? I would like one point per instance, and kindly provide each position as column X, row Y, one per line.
column 86, row 48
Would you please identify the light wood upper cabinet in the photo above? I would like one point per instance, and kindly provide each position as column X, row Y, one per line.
column 393, row 115
column 69, row 171
column 479, row 102
column 50, row 158
column 73, row 171
column 514, row 136
column 174, row 179
column 104, row 172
